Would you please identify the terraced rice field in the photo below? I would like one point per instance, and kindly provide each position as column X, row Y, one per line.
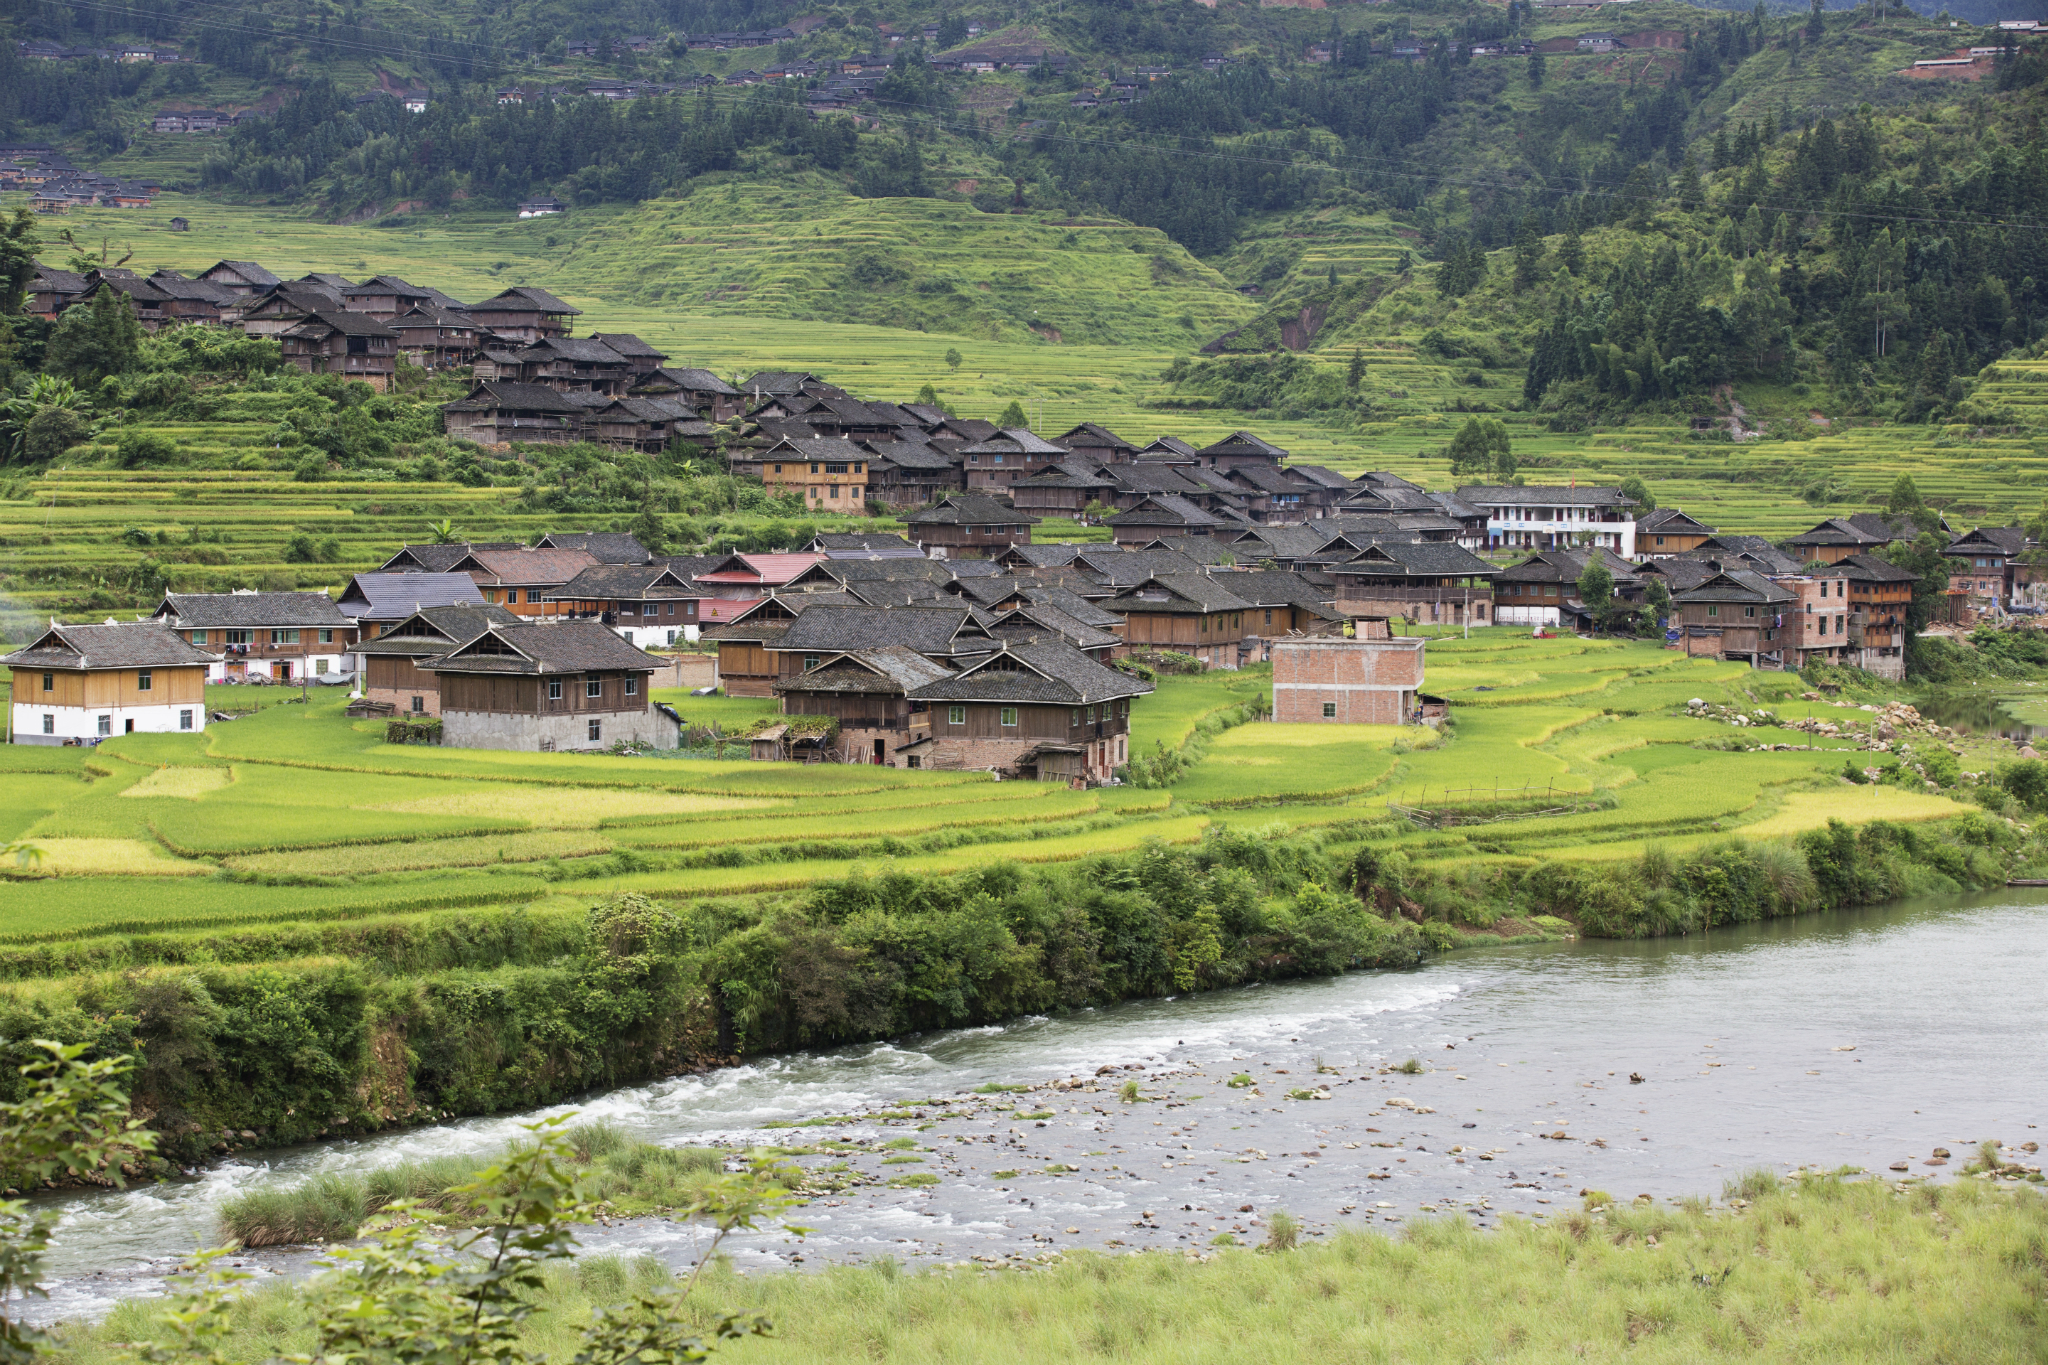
column 298, row 813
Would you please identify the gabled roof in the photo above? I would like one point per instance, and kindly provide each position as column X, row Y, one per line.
column 247, row 270
column 431, row 314
column 385, row 284
column 1320, row 475
column 1171, row 447
column 1164, row 509
column 1120, row 569
column 968, row 509
column 494, row 395
column 526, row 565
column 910, row 455
column 626, row 344
column 324, row 320
column 1038, row 556
column 393, row 596
column 1193, row 593
column 192, row 611
column 1264, row 477
column 695, row 380
column 1868, row 569
column 1273, row 587
column 1150, row 477
column 1564, row 566
column 1736, row 585
column 1669, row 521
column 588, row 350
column 1678, row 572
column 1753, row 548
column 888, row 669
column 1244, row 443
column 1038, row 619
column 525, row 299
column 606, row 547
column 1070, row 604
column 776, row 382
column 622, row 583
column 1435, row 559
column 805, row 448
column 1013, row 441
column 116, row 644
column 432, row 631
column 933, row 630
column 861, row 545
column 2005, row 540
column 1542, row 495
column 1094, row 438
column 557, row 647
column 1041, row 672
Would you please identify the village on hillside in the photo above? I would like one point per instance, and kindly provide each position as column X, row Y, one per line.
column 948, row 639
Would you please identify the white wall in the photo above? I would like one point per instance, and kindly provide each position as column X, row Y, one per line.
column 76, row 722
column 337, row 662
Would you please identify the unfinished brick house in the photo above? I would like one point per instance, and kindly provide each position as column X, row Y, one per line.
column 1330, row 680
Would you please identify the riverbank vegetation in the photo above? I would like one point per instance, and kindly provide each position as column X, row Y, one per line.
column 308, row 932
column 1824, row 1267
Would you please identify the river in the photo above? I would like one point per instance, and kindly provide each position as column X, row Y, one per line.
column 1857, row 1038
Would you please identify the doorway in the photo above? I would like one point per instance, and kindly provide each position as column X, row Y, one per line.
column 881, row 755
column 130, row 726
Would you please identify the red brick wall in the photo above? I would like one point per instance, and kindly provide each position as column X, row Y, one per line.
column 1366, row 681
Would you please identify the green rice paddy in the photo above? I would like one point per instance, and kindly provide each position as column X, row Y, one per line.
column 298, row 813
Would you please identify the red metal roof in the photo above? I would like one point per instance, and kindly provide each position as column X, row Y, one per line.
column 717, row 611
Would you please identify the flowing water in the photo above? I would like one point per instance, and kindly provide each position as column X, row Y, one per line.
column 1983, row 713
column 1862, row 1039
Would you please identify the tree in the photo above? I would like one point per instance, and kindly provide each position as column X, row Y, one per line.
column 1924, row 556
column 1014, row 418
column 443, row 531
column 1571, row 252
column 51, row 432
column 1333, row 276
column 1657, row 598
column 953, row 357
column 1638, row 494
column 648, row 529
column 98, row 338
column 1596, row 586
column 1536, row 70
column 1904, row 498
column 1354, row 373
column 18, row 244
column 1482, row 447
column 1817, row 22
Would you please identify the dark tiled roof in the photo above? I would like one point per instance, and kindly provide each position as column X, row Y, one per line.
column 1038, row 556
column 928, row 630
column 1164, row 509
column 1042, row 671
column 858, row 540
column 1030, row 622
column 391, row 596
column 1669, row 520
column 1541, row 495
column 1119, row 569
column 1094, row 437
column 697, row 380
column 1432, row 558
column 1320, row 475
column 192, row 611
column 556, row 647
column 1193, row 593
column 1243, row 443
column 116, row 644
column 1070, row 604
column 1172, row 446
column 966, row 509
column 1869, row 569
column 528, row 566
column 889, row 669
column 344, row 322
column 384, row 284
column 622, row 582
column 606, row 547
column 1736, row 585
column 1013, row 441
column 432, row 631
column 248, row 270
column 2009, row 540
column 626, row 344
column 523, row 299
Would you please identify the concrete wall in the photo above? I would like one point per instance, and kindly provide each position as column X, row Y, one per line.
column 1363, row 682
column 83, row 723
column 560, row 731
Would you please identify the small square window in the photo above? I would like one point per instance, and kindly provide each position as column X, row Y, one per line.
column 810, row 662
column 596, row 731
column 49, row 724
column 49, row 682
column 198, row 637
column 142, row 680
column 956, row 715
column 320, row 667
column 632, row 686
column 1009, row 716
column 593, row 687
column 106, row 725
column 326, row 637
column 419, row 705
column 554, row 689
column 184, row 720
column 1329, row 710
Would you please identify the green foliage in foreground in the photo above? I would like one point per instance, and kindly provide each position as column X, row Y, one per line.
column 1819, row 1268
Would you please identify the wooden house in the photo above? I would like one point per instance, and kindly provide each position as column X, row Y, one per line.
column 965, row 526
column 1163, row 515
column 524, row 314
column 649, row 605
column 904, row 474
column 642, row 358
column 338, row 342
column 1666, row 531
column 244, row 279
column 495, row 412
column 994, row 464
column 522, row 579
column 435, row 337
column 567, row 685
column 830, row 473
column 276, row 311
column 377, row 602
column 703, row 391
column 281, row 636
column 867, row 692
column 1880, row 595
column 1982, row 565
column 1737, row 614
column 1041, row 710
column 1066, row 489
column 1836, row 538
column 1543, row 590
column 1422, row 580
column 1091, row 442
column 384, row 297
column 83, row 684
column 566, row 364
column 389, row 670
column 1239, row 448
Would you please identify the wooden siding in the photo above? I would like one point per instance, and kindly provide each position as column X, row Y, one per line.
column 528, row 696
column 109, row 687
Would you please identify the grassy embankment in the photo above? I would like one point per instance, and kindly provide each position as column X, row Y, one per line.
column 1819, row 1268
column 350, row 934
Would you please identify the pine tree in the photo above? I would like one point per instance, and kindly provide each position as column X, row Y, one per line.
column 1354, row 373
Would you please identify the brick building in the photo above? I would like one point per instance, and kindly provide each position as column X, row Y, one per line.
column 1329, row 680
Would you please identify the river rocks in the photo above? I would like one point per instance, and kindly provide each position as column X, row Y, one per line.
column 1941, row 1152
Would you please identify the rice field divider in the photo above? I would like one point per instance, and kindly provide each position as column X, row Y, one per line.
column 1424, row 818
column 771, row 830
column 683, row 789
column 1002, row 793
column 396, row 906
column 424, row 836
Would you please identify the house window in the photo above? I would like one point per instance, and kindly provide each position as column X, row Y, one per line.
column 810, row 662
column 320, row 667
column 596, row 731
column 1329, row 710
column 835, row 469
column 142, row 680
column 419, row 705
column 1091, row 715
column 326, row 637
column 49, row 724
column 1009, row 716
column 632, row 686
column 593, row 687
column 860, row 469
column 814, row 469
column 49, row 682
column 554, row 689
column 1269, row 616
column 1075, row 718
column 956, row 715
column 832, row 491
column 1749, row 611
column 1660, row 540
column 1713, row 610
column 106, row 725
column 778, row 469
column 668, row 609
column 185, row 720
column 198, row 637
column 284, row 637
